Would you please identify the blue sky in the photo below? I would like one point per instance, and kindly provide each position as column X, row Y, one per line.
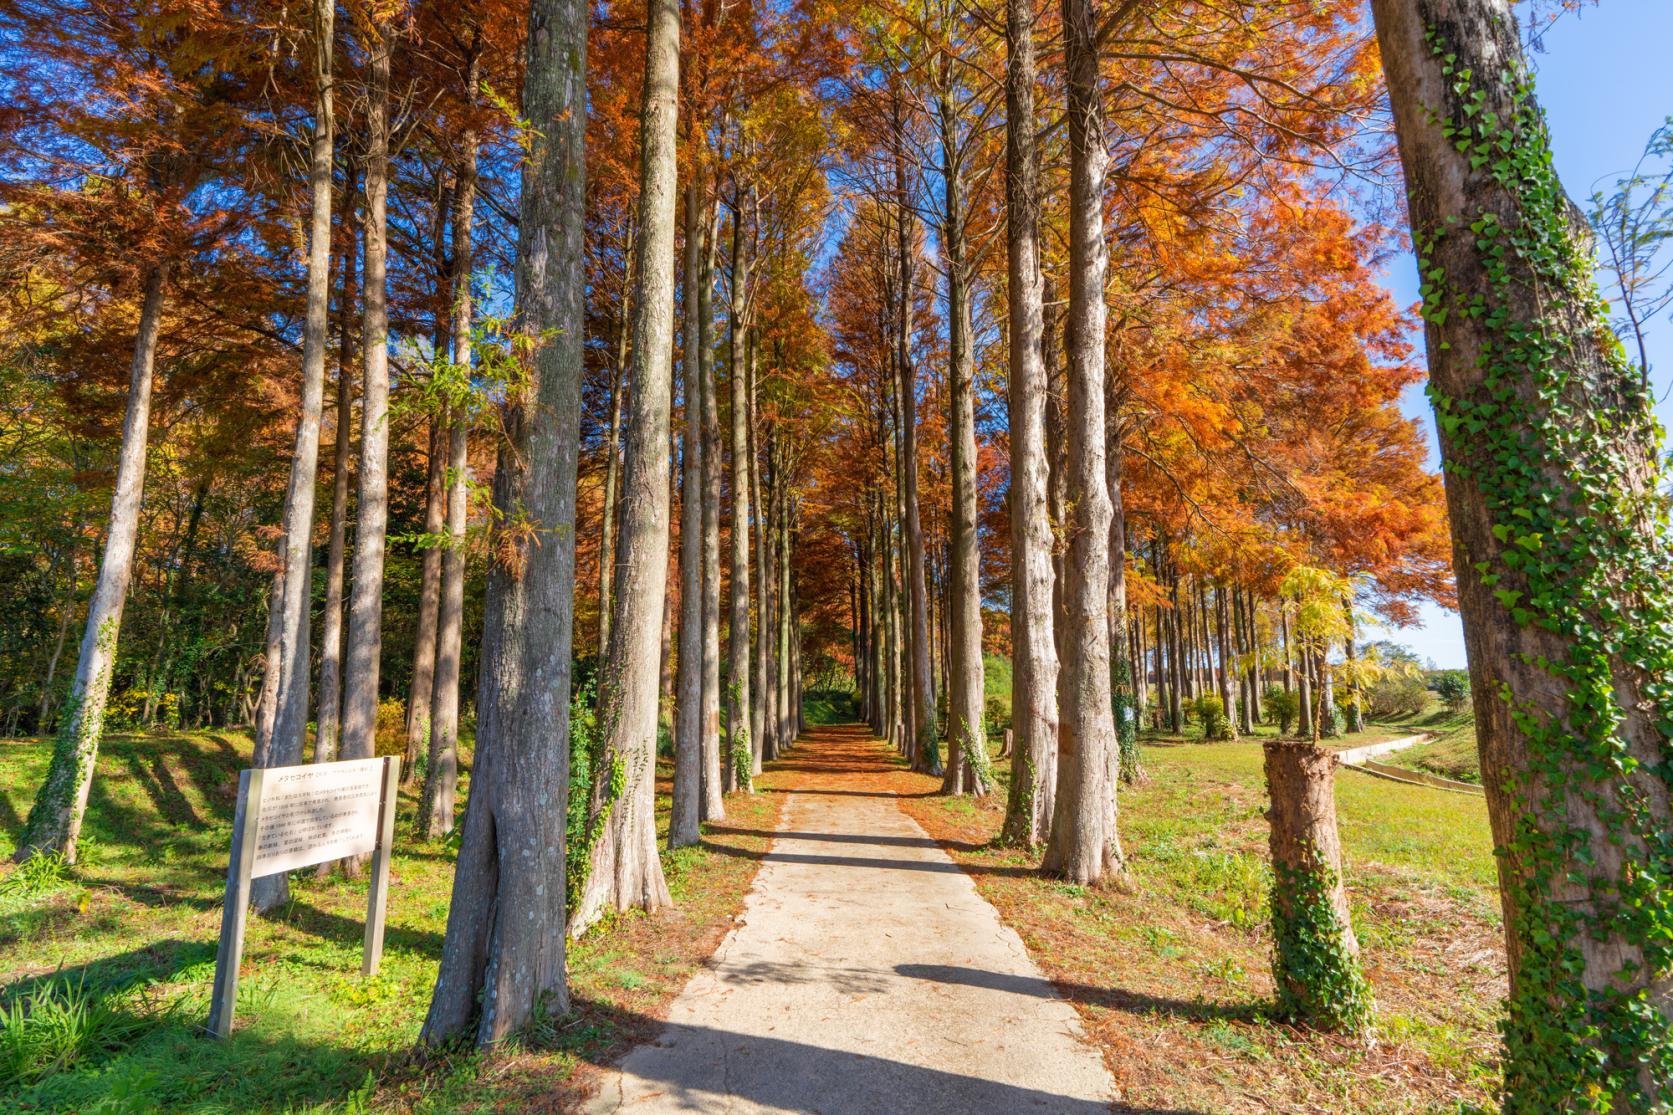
column 1606, row 83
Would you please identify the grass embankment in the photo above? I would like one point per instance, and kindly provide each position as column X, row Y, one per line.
column 105, row 969
column 1173, row 977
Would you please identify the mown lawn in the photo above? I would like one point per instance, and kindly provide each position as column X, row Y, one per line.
column 128, row 939
column 1172, row 976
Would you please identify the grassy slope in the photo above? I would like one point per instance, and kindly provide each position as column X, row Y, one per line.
column 138, row 921
column 1173, row 978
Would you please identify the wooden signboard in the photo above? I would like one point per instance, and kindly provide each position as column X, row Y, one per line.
column 292, row 817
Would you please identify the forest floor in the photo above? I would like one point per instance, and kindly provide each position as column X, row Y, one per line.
column 1172, row 975
column 105, row 969
column 866, row 975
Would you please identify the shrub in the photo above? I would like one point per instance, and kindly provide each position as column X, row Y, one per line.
column 1395, row 695
column 1453, row 688
column 391, row 727
column 1284, row 705
column 1212, row 714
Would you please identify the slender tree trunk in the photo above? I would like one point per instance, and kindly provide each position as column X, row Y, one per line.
column 288, row 727
column 763, row 602
column 1085, row 843
column 503, row 956
column 1123, row 707
column 441, row 782
column 1552, row 477
column 1033, row 649
column 613, row 457
column 739, row 736
column 365, row 623
column 1228, row 667
column 624, row 869
column 966, row 735
column 429, row 583
column 330, row 714
column 55, row 819
column 688, row 706
column 713, row 804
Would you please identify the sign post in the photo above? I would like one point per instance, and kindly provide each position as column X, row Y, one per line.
column 293, row 817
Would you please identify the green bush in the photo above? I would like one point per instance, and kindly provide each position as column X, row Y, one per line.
column 1394, row 696
column 1284, row 705
column 1212, row 715
column 1453, row 688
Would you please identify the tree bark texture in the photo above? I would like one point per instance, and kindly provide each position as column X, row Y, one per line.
column 624, row 871
column 54, row 823
column 365, row 622
column 1085, row 844
column 1552, row 476
column 504, row 949
column 1033, row 651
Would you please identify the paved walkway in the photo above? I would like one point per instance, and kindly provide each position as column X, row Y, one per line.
column 866, row 977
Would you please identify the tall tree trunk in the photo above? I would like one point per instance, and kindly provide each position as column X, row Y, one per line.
column 330, row 713
column 763, row 601
column 1552, row 479
column 1356, row 708
column 713, row 804
column 55, row 819
column 613, row 455
column 365, row 623
column 1033, row 651
column 1085, row 843
column 966, row 734
column 503, row 955
column 417, row 726
column 441, row 781
column 739, row 737
column 1227, row 675
column 624, row 869
column 688, row 705
column 1123, row 706
column 287, row 730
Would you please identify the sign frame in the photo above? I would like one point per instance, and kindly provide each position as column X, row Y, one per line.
column 235, row 912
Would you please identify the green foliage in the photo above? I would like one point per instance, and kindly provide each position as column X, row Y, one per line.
column 1211, row 714
column 586, row 755
column 57, row 1024
column 1282, row 704
column 829, row 706
column 1319, row 981
column 36, row 877
column 1453, row 688
column 1575, row 563
column 1396, row 696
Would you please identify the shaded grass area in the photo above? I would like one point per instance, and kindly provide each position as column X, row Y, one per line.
column 130, row 932
column 1172, row 976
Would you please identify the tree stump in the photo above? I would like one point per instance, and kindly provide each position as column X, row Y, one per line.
column 1315, row 961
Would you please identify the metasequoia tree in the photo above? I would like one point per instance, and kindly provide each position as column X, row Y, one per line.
column 281, row 743
column 1560, row 549
column 504, row 950
column 364, row 642
column 623, row 869
column 442, row 770
column 150, row 140
column 1033, row 646
column 1084, row 844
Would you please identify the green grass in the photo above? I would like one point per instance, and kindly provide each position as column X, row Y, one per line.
column 829, row 706
column 105, row 967
column 1172, row 973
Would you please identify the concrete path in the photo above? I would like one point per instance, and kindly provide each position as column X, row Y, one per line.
column 866, row 977
column 1353, row 756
